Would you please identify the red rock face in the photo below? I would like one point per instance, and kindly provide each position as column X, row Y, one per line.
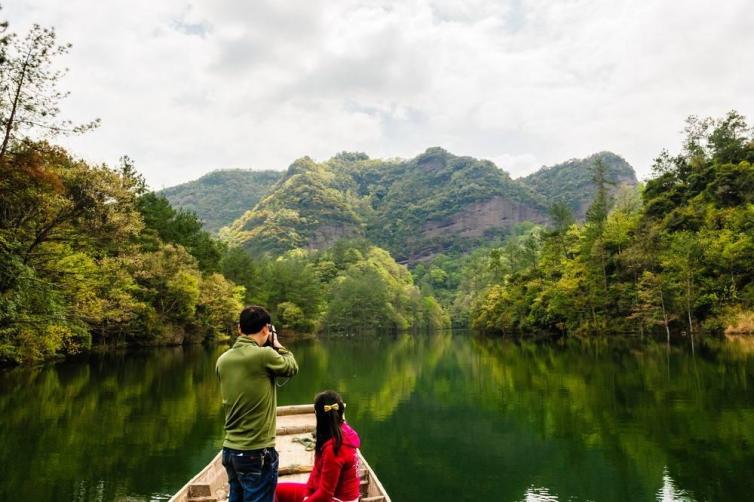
column 473, row 220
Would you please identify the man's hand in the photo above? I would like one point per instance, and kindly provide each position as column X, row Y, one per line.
column 274, row 338
column 276, row 344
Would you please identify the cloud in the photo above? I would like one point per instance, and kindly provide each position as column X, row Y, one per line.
column 517, row 165
column 185, row 88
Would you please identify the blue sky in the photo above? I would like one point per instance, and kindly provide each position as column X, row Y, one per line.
column 188, row 87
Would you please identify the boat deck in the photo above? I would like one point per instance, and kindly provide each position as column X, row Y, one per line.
column 293, row 423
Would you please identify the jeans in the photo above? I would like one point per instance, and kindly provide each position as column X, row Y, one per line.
column 252, row 474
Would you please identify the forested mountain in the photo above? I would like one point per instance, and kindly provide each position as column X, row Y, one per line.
column 435, row 202
column 675, row 256
column 572, row 183
column 314, row 204
column 219, row 197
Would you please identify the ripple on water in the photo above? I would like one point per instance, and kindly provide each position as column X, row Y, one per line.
column 670, row 492
column 542, row 494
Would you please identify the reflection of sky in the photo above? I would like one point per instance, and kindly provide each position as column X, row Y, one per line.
column 668, row 493
column 538, row 494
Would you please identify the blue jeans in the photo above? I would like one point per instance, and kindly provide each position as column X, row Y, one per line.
column 252, row 474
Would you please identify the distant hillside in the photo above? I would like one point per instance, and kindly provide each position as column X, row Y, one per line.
column 439, row 201
column 435, row 202
column 220, row 197
column 571, row 181
column 311, row 207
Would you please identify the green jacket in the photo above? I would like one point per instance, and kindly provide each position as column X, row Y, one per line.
column 247, row 381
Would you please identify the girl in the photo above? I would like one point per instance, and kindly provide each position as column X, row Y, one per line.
column 335, row 475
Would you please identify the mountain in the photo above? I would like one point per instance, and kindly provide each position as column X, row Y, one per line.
column 435, row 202
column 220, row 197
column 571, row 181
column 438, row 202
column 312, row 205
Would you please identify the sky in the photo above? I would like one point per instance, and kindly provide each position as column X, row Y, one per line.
column 185, row 88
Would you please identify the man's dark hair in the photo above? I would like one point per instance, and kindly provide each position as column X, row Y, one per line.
column 253, row 319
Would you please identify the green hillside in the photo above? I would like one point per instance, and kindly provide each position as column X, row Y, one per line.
column 571, row 181
column 438, row 201
column 313, row 205
column 220, row 197
column 435, row 202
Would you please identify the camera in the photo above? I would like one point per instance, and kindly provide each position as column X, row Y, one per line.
column 273, row 336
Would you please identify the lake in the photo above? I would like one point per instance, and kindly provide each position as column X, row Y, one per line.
column 443, row 417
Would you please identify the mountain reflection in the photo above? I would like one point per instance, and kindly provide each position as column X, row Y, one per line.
column 442, row 417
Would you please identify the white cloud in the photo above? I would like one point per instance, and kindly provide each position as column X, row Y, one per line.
column 185, row 88
column 517, row 165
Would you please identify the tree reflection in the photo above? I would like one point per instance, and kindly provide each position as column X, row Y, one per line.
column 461, row 417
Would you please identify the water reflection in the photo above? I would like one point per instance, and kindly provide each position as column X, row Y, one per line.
column 443, row 417
column 669, row 492
column 535, row 494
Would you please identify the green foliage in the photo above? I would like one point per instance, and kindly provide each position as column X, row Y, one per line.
column 310, row 207
column 179, row 227
column 85, row 255
column 31, row 98
column 352, row 286
column 87, row 258
column 218, row 306
column 678, row 259
column 573, row 182
column 292, row 279
column 221, row 197
column 373, row 292
column 292, row 317
column 414, row 208
column 434, row 188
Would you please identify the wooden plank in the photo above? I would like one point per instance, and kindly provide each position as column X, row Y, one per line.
column 209, row 471
column 296, row 409
column 199, row 490
column 295, row 424
column 290, row 430
column 375, row 488
column 294, row 469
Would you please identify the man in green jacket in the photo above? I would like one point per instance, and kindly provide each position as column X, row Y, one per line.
column 247, row 375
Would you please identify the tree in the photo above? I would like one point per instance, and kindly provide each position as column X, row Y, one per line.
column 359, row 301
column 292, row 317
column 597, row 212
column 682, row 263
column 561, row 217
column 29, row 82
column 294, row 280
column 181, row 227
column 218, row 305
column 238, row 266
column 651, row 309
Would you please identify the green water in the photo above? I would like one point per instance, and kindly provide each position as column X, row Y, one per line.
column 443, row 418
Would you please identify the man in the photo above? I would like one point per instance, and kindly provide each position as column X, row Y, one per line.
column 247, row 380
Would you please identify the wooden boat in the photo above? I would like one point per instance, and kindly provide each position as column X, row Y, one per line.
column 293, row 422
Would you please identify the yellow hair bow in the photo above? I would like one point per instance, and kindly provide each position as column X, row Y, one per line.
column 329, row 407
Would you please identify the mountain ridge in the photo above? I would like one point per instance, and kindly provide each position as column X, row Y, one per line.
column 415, row 208
column 221, row 196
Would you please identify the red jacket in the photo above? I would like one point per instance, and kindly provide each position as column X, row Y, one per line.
column 336, row 476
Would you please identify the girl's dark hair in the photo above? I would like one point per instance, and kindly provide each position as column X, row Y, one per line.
column 328, row 422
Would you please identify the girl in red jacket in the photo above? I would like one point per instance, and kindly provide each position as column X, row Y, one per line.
column 335, row 476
